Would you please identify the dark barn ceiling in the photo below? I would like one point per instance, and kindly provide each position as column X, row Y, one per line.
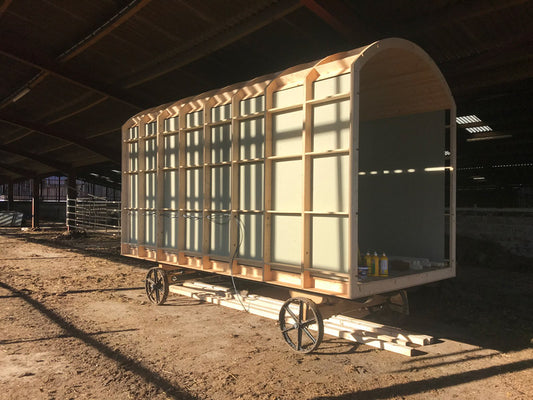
column 73, row 71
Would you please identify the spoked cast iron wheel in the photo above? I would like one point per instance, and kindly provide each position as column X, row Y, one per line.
column 156, row 284
column 295, row 318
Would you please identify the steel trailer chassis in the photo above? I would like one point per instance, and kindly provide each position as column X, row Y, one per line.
column 304, row 317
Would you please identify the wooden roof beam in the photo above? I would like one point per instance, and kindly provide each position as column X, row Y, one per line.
column 342, row 19
column 4, row 7
column 447, row 15
column 51, row 67
column 114, row 22
column 107, row 27
column 211, row 41
column 103, row 151
column 18, row 170
column 60, row 166
column 476, row 80
column 495, row 93
column 511, row 54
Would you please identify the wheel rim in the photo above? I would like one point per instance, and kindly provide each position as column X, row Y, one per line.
column 301, row 324
column 156, row 284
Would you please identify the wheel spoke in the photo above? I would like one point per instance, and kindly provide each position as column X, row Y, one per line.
column 156, row 285
column 300, row 317
column 287, row 307
column 309, row 322
column 307, row 315
column 309, row 335
column 291, row 328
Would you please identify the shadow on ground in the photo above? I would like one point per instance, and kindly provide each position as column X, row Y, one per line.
column 89, row 339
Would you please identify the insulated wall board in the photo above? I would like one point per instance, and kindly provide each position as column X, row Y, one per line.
column 331, row 86
column 195, row 147
column 133, row 193
column 171, row 189
column 331, row 126
column 194, row 189
column 252, row 105
column 151, row 190
column 194, row 119
column 287, row 133
column 150, row 225
column 220, row 188
column 133, row 132
column 251, row 236
column 251, row 181
column 288, row 97
column 286, row 239
column 220, row 234
column 221, row 113
column 132, row 225
column 331, row 188
column 171, row 124
column 133, row 156
column 193, row 231
column 221, row 143
column 252, row 138
column 287, row 185
column 171, row 155
column 330, row 243
column 170, row 229
column 150, row 154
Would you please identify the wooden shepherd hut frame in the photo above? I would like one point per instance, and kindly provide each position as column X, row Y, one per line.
column 291, row 178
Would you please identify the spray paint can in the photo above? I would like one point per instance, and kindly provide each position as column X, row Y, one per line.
column 383, row 265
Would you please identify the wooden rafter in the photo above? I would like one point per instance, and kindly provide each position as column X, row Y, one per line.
column 476, row 80
column 460, row 11
column 18, row 170
column 341, row 18
column 55, row 69
column 114, row 22
column 100, row 150
column 4, row 6
column 118, row 19
column 37, row 157
column 490, row 54
column 212, row 41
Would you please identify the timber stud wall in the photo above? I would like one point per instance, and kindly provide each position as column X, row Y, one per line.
column 267, row 170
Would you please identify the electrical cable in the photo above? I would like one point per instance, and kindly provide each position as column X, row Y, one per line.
column 226, row 221
column 241, row 238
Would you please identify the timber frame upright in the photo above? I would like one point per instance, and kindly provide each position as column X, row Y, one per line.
column 267, row 180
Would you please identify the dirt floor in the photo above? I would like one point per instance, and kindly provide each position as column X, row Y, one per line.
column 75, row 324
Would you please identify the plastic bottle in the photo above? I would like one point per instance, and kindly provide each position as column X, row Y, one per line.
column 383, row 265
column 374, row 270
column 368, row 262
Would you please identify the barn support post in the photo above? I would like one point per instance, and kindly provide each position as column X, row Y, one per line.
column 72, row 194
column 35, row 203
column 10, row 197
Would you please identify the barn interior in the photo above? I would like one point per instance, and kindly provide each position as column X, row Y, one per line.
column 73, row 72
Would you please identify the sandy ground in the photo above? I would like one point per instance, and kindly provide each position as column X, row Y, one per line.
column 75, row 324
